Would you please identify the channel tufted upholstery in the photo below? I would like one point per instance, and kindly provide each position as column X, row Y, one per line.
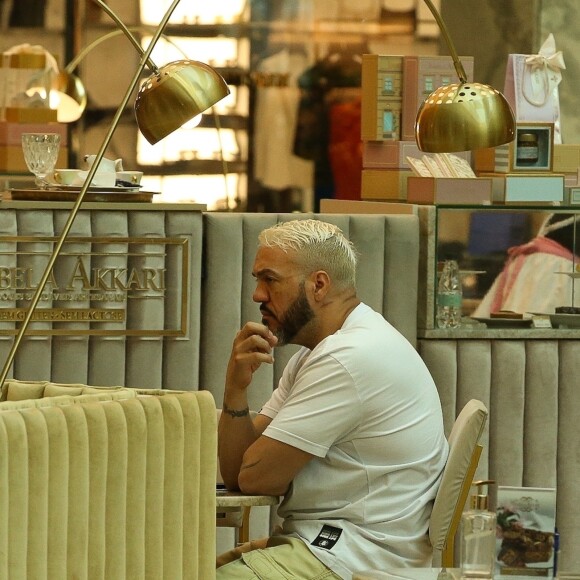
column 387, row 281
column 109, row 489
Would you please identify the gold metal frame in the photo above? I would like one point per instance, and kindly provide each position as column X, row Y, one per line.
column 180, row 332
column 91, row 173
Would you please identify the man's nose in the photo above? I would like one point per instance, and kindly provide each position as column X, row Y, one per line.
column 259, row 294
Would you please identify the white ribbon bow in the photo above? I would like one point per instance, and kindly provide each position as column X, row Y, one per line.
column 545, row 72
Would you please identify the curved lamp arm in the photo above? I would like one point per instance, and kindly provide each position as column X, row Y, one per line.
column 127, row 33
column 215, row 94
column 464, row 116
column 72, row 65
column 443, row 28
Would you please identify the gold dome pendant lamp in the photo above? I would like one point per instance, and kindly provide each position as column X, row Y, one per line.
column 178, row 92
column 172, row 92
column 171, row 96
column 463, row 116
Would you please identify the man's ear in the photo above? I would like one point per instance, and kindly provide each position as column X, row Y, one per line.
column 321, row 284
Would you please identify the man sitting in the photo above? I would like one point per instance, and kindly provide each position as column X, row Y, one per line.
column 353, row 435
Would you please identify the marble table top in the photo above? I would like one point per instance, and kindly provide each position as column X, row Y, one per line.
column 226, row 498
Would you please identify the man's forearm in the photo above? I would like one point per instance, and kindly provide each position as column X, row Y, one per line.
column 252, row 347
column 236, row 433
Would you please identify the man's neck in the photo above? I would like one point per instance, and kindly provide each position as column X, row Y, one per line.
column 329, row 320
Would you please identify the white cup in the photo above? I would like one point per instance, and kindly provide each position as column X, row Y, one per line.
column 66, row 176
column 132, row 177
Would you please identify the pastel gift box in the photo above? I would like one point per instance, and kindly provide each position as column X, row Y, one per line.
column 11, row 133
column 449, row 190
column 421, row 76
column 17, row 67
column 30, row 115
column 527, row 188
column 384, row 184
column 504, row 158
column 23, row 60
column 566, row 158
column 393, row 154
column 12, row 158
column 394, row 88
column 381, row 84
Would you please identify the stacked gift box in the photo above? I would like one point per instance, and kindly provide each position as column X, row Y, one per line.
column 393, row 89
column 567, row 162
column 22, row 113
column 535, row 167
column 11, row 157
column 553, row 177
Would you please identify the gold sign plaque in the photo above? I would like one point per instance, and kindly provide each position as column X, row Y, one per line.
column 99, row 286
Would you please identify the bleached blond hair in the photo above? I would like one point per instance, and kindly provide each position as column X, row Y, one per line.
column 318, row 246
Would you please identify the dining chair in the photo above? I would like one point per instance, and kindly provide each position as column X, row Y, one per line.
column 462, row 461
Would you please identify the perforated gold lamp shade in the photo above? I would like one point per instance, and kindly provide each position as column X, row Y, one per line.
column 181, row 91
column 72, row 94
column 464, row 117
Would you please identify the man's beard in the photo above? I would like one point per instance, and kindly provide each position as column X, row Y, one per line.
column 296, row 317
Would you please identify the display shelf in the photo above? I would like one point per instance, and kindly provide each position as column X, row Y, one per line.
column 500, row 333
column 479, row 237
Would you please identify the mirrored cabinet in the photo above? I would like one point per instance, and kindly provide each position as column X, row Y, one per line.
column 519, row 266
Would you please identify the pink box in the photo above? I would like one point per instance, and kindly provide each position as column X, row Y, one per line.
column 393, row 154
column 421, row 76
column 449, row 190
column 389, row 154
column 11, row 133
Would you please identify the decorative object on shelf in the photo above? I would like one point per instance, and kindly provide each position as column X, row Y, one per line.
column 477, row 533
column 531, row 85
column 441, row 165
column 449, row 296
column 526, row 525
column 449, row 190
column 531, row 151
column 464, row 116
column 180, row 85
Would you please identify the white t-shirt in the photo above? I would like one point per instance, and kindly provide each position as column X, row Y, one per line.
column 364, row 404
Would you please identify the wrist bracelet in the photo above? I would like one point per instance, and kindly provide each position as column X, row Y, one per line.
column 234, row 412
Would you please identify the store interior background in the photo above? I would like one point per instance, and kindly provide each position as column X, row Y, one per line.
column 257, row 160
column 532, row 385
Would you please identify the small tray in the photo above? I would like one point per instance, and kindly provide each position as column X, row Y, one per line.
column 97, row 188
column 561, row 319
column 111, row 194
column 498, row 322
